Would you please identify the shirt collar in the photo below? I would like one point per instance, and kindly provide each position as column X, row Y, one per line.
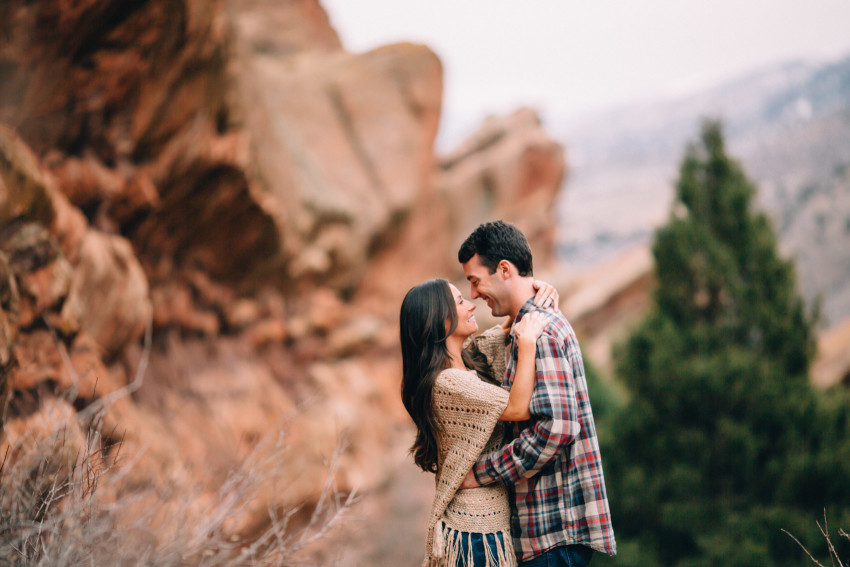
column 527, row 307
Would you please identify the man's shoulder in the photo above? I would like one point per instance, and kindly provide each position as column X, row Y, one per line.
column 557, row 325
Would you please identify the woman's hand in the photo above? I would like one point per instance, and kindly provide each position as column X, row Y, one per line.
column 546, row 296
column 530, row 327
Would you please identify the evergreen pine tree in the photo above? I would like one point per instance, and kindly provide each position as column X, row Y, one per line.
column 723, row 441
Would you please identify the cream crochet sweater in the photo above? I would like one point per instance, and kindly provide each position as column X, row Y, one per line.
column 468, row 410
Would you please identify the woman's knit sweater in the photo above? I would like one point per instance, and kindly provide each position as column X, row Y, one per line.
column 467, row 410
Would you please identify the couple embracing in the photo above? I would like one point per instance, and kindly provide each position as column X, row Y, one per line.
column 504, row 419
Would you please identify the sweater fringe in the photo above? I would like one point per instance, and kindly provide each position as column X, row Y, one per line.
column 448, row 549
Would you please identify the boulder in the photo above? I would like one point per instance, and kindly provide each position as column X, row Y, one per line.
column 509, row 169
column 373, row 116
column 109, row 292
column 42, row 272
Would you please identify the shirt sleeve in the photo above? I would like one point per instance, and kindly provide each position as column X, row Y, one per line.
column 554, row 419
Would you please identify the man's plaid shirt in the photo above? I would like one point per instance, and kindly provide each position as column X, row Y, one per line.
column 551, row 463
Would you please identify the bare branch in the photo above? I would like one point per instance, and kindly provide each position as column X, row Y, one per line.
column 824, row 530
column 818, row 563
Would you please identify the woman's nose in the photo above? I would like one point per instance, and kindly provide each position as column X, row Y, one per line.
column 473, row 306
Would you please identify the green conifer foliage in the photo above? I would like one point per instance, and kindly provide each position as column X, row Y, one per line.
column 723, row 441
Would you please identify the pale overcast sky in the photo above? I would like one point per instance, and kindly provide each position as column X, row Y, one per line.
column 569, row 57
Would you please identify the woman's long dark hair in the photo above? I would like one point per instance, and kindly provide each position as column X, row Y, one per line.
column 424, row 313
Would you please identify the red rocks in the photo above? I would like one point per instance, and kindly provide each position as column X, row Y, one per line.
column 342, row 157
column 511, row 169
column 26, row 192
column 109, row 292
column 261, row 197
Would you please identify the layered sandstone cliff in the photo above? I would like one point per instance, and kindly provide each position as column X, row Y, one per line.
column 210, row 212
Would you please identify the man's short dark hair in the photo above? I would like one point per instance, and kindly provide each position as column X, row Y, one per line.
column 496, row 241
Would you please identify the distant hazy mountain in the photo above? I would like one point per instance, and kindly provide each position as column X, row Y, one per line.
column 789, row 125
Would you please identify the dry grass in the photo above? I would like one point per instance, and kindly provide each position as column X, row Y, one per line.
column 51, row 512
column 62, row 504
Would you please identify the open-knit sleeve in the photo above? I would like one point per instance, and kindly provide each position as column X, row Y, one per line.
column 490, row 345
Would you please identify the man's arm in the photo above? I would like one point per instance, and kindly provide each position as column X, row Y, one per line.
column 555, row 413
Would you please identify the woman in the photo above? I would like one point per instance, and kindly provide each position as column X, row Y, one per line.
column 456, row 414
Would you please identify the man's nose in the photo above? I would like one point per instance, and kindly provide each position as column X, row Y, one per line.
column 474, row 292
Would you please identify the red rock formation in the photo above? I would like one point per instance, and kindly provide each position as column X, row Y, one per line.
column 228, row 177
column 605, row 303
column 511, row 169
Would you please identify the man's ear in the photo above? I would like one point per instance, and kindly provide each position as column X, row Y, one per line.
column 504, row 269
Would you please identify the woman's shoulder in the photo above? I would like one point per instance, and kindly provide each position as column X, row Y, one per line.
column 451, row 378
column 466, row 383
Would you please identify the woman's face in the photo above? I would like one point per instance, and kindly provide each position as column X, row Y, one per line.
column 466, row 324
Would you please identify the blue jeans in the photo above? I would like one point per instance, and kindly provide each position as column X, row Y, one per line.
column 476, row 541
column 562, row 556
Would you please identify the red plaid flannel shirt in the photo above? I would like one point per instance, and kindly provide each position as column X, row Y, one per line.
column 551, row 463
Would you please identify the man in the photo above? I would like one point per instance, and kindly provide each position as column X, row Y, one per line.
column 551, row 463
